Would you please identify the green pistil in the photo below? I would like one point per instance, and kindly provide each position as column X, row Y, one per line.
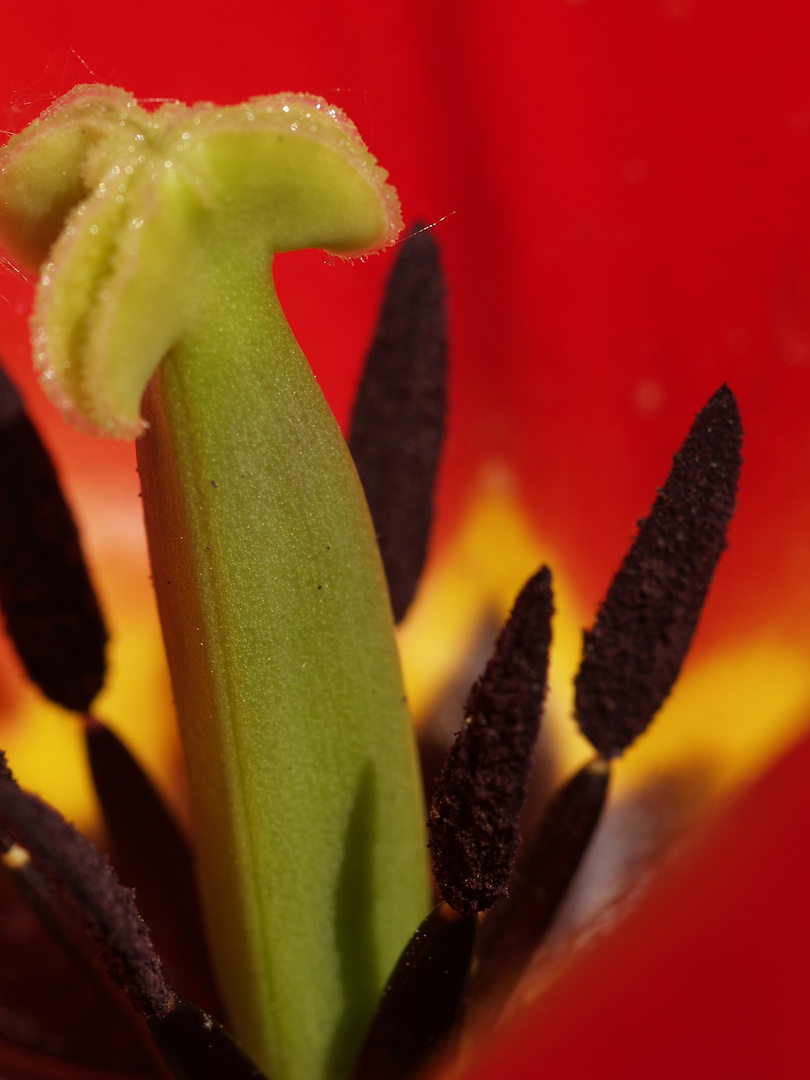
column 308, row 813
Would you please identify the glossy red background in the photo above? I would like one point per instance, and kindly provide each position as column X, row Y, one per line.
column 622, row 193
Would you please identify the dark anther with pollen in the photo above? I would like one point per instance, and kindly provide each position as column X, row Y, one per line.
column 86, row 887
column 546, row 865
column 474, row 830
column 48, row 602
column 422, row 1000
column 151, row 853
column 635, row 650
column 398, row 420
column 75, row 890
column 196, row 1047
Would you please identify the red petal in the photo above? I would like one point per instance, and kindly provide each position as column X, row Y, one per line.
column 707, row 978
column 630, row 228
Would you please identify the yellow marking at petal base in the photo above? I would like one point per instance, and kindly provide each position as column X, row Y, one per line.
column 476, row 578
column 732, row 713
column 137, row 701
column 45, row 752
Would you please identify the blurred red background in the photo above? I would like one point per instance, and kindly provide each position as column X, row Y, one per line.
column 621, row 196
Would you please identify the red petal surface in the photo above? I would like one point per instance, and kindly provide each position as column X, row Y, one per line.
column 708, row 978
column 621, row 195
column 621, row 192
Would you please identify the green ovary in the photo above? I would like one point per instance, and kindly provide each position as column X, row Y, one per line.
column 279, row 634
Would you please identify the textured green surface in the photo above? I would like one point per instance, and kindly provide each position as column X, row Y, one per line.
column 288, row 688
column 159, row 230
